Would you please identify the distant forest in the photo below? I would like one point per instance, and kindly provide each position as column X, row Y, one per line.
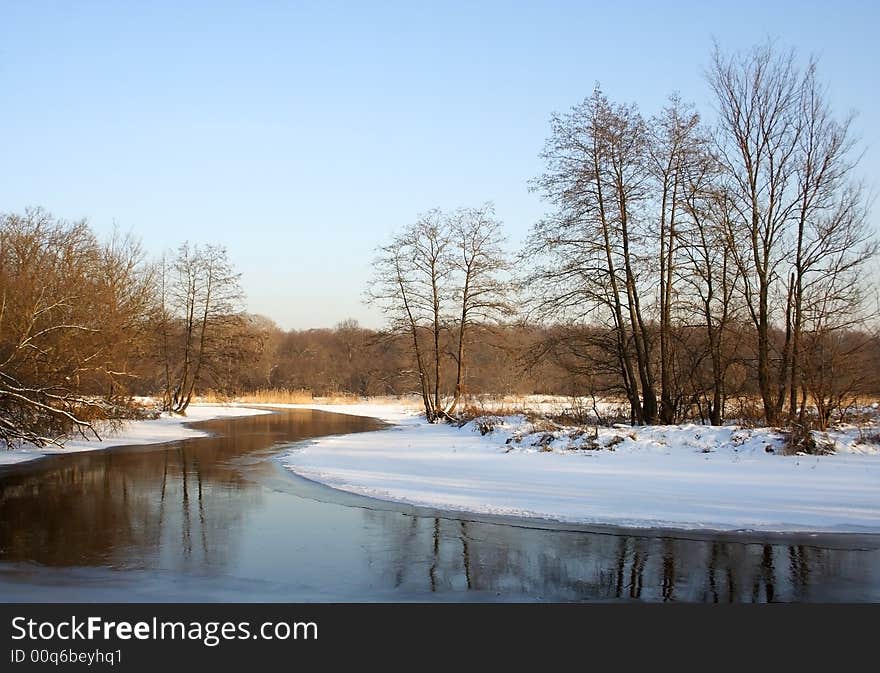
column 509, row 359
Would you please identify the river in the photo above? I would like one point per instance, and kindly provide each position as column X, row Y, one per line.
column 219, row 519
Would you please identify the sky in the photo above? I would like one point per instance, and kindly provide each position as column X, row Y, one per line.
column 300, row 135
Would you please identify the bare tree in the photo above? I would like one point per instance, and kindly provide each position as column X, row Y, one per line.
column 434, row 280
column 709, row 279
column 429, row 244
column 788, row 165
column 833, row 241
column 125, row 284
column 679, row 162
column 588, row 257
column 838, row 371
column 482, row 293
column 201, row 308
column 757, row 96
column 70, row 310
column 406, row 286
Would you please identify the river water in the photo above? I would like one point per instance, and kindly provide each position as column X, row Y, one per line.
column 219, row 519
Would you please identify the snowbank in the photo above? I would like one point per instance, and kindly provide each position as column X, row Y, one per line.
column 684, row 477
column 389, row 412
column 165, row 429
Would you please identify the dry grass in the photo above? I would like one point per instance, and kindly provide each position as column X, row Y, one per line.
column 470, row 411
column 344, row 398
column 262, row 396
column 864, row 401
column 269, row 396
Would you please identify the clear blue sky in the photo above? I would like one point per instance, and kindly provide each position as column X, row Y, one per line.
column 301, row 134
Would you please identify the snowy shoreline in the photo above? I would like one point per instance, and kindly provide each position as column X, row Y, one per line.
column 135, row 433
column 688, row 478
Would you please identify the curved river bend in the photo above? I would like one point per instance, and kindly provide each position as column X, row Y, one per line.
column 219, row 519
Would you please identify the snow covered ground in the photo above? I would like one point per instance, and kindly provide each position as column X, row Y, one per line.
column 684, row 477
column 164, row 429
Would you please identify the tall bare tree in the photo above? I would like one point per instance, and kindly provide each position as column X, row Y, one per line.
column 201, row 299
column 678, row 160
column 708, row 278
column 408, row 275
column 482, row 291
column 434, row 280
column 795, row 209
column 588, row 257
column 833, row 240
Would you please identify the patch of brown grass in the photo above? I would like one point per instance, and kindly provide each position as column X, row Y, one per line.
column 746, row 411
column 339, row 398
column 263, row 396
column 470, row 411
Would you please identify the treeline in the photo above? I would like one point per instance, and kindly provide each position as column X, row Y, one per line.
column 675, row 233
column 692, row 268
column 522, row 359
column 353, row 360
column 688, row 260
column 85, row 324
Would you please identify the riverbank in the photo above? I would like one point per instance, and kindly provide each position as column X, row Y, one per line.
column 680, row 477
column 674, row 477
column 167, row 428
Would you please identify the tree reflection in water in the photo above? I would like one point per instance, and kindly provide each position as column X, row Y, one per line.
column 179, row 506
column 446, row 556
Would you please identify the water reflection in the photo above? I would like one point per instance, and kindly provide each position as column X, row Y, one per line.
column 446, row 556
column 218, row 519
column 179, row 506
